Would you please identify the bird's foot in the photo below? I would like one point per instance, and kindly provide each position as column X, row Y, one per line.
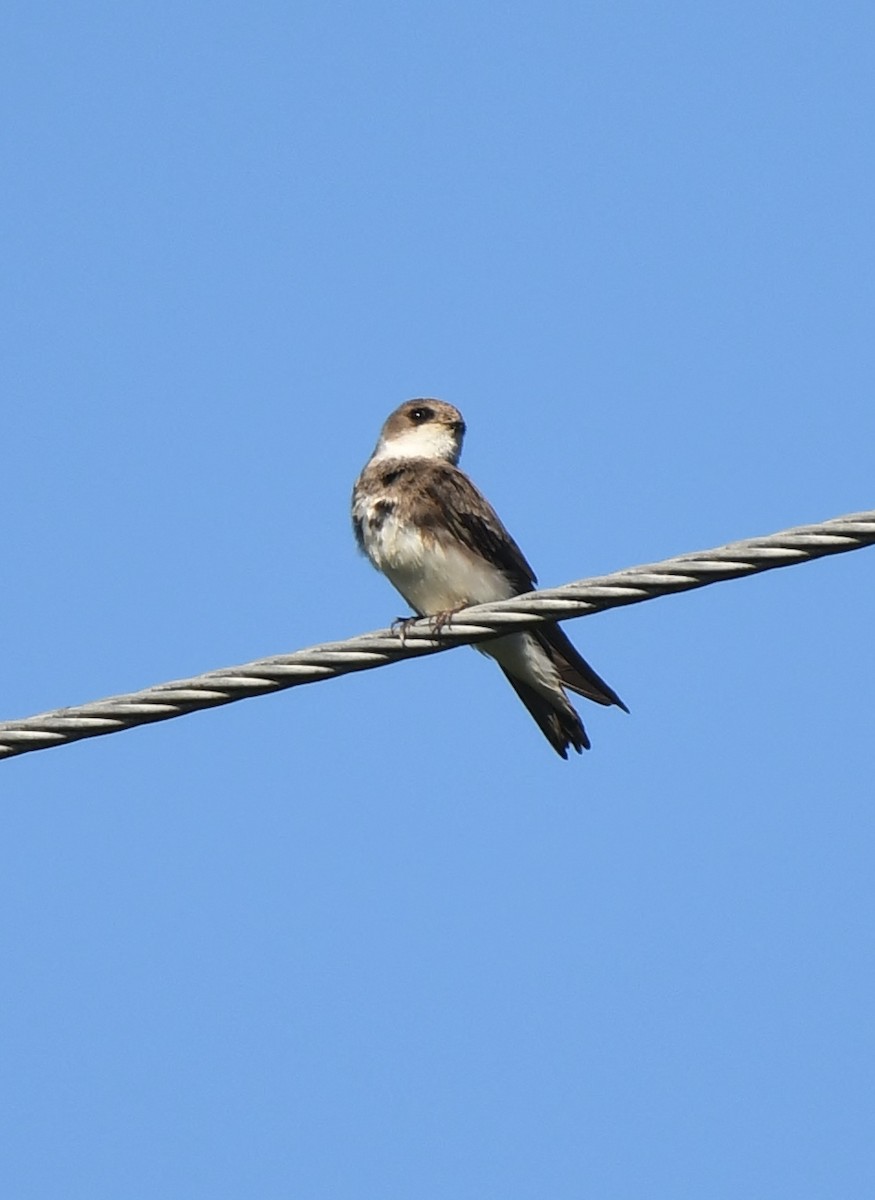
column 400, row 626
column 439, row 622
column 443, row 620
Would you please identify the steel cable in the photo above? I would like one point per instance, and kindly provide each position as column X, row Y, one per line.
column 631, row 586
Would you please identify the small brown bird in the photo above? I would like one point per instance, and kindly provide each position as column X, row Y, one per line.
column 423, row 523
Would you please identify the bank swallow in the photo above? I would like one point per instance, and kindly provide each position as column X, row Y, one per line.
column 423, row 523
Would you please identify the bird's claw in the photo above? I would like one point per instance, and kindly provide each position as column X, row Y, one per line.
column 400, row 626
column 439, row 622
column 443, row 620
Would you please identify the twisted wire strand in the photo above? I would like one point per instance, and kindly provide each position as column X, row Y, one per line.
column 478, row 623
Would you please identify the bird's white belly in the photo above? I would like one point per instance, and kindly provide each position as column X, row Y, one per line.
column 437, row 575
column 433, row 574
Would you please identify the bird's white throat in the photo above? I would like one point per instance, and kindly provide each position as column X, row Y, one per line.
column 426, row 441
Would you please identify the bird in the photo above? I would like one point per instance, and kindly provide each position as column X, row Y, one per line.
column 420, row 521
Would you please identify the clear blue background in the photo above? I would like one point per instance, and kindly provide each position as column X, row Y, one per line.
column 373, row 938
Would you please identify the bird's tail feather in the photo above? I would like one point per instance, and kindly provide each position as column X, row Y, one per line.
column 561, row 726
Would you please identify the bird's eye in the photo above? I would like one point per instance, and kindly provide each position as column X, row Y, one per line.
column 420, row 415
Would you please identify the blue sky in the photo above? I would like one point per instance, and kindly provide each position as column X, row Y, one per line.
column 372, row 938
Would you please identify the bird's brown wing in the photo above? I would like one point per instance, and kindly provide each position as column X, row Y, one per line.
column 460, row 508
column 474, row 522
column 574, row 671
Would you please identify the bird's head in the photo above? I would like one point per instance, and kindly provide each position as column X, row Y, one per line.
column 422, row 429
